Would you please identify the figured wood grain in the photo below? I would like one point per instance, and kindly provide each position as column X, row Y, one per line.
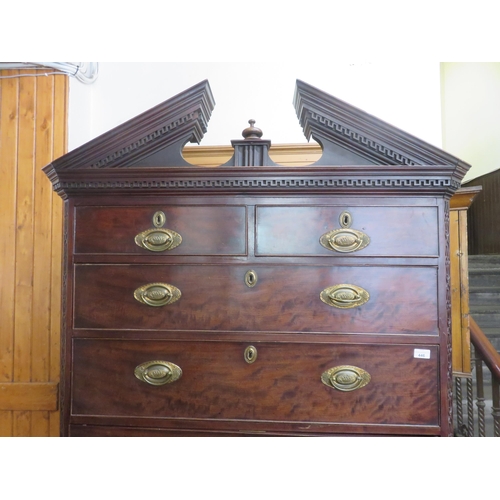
column 216, row 298
column 32, row 131
column 108, row 333
column 393, row 231
column 205, row 230
column 284, row 383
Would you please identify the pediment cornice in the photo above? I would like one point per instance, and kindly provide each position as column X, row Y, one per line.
column 336, row 124
column 163, row 129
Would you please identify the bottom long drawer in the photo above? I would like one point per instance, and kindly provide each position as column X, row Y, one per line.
column 234, row 380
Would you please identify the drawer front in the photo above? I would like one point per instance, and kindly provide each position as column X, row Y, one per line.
column 203, row 230
column 282, row 298
column 285, row 382
column 388, row 231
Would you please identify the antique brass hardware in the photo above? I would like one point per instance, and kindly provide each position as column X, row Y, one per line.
column 159, row 219
column 157, row 294
column 344, row 296
column 345, row 378
column 158, row 239
column 344, row 240
column 250, row 354
column 345, row 219
column 158, row 372
column 251, row 278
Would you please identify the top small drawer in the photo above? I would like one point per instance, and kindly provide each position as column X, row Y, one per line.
column 176, row 230
column 369, row 231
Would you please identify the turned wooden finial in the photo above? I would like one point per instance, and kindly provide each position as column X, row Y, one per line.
column 252, row 132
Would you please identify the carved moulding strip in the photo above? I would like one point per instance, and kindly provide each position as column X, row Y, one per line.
column 177, row 126
column 167, row 126
column 256, row 183
column 348, row 137
column 331, row 120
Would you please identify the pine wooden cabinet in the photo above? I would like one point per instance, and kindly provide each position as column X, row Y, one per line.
column 253, row 298
column 459, row 277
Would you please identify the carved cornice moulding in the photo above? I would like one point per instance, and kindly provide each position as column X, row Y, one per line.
column 359, row 153
column 331, row 121
column 426, row 180
column 166, row 127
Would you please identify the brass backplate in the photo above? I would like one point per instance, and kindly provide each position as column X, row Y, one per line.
column 344, row 240
column 345, row 378
column 157, row 294
column 158, row 372
column 344, row 296
column 158, row 240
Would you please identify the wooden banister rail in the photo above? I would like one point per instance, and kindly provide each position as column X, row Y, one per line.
column 484, row 347
column 484, row 353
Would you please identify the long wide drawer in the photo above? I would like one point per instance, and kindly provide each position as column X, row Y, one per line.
column 344, row 299
column 175, row 230
column 331, row 231
column 298, row 382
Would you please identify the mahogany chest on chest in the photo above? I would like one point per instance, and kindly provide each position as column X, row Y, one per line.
column 253, row 298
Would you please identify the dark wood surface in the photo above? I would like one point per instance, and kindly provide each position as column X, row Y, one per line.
column 205, row 230
column 268, row 219
column 393, row 231
column 284, row 383
column 483, row 217
column 285, row 299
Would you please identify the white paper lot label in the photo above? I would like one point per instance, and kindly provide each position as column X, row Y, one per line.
column 422, row 353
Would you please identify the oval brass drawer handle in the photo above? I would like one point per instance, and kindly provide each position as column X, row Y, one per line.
column 344, row 240
column 157, row 294
column 158, row 240
column 344, row 296
column 158, row 372
column 345, row 378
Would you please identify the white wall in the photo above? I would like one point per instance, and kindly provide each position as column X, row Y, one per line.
column 471, row 114
column 406, row 95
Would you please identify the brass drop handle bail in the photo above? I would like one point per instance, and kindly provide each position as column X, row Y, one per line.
column 158, row 239
column 344, row 296
column 345, row 378
column 158, row 372
column 345, row 239
column 157, row 294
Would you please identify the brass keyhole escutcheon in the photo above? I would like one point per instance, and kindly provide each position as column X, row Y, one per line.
column 345, row 219
column 158, row 239
column 251, row 279
column 250, row 354
column 159, row 219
